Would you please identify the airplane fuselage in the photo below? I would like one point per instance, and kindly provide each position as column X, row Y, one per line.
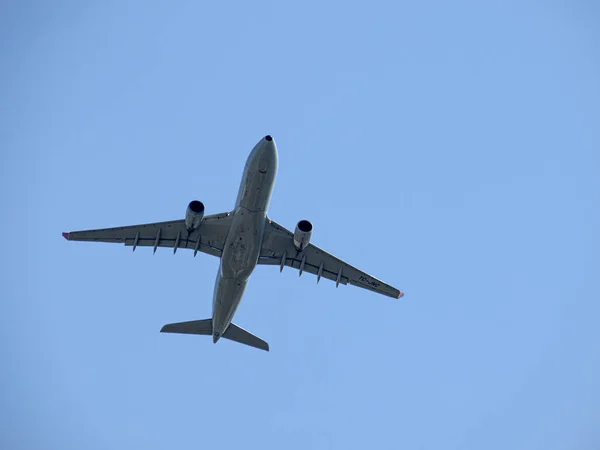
column 244, row 240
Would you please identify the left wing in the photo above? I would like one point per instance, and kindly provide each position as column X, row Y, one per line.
column 278, row 249
column 208, row 238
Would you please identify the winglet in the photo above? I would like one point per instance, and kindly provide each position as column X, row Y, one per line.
column 66, row 235
column 401, row 294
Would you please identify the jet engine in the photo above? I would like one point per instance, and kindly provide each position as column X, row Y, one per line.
column 302, row 234
column 194, row 215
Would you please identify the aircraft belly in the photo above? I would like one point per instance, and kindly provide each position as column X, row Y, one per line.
column 239, row 258
column 255, row 191
column 258, row 181
column 244, row 239
column 228, row 296
column 243, row 243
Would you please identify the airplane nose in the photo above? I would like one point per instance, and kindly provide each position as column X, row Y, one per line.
column 264, row 154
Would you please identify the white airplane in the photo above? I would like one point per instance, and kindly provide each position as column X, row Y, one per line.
column 242, row 239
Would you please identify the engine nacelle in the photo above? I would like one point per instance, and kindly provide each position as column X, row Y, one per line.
column 302, row 234
column 194, row 215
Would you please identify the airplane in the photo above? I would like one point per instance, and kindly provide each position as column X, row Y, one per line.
column 242, row 239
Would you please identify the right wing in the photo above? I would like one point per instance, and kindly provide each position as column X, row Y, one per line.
column 278, row 249
column 208, row 238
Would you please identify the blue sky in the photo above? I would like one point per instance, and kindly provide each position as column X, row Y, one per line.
column 449, row 148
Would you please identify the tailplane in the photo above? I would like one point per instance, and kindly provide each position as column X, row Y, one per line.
column 238, row 334
column 204, row 327
column 191, row 327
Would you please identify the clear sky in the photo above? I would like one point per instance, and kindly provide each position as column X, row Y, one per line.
column 448, row 148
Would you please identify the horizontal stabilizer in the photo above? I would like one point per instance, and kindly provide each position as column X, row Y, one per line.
column 238, row 334
column 192, row 327
column 204, row 327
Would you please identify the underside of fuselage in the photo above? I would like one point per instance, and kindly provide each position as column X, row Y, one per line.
column 244, row 240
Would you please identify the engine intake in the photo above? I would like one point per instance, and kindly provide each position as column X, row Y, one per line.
column 302, row 234
column 194, row 215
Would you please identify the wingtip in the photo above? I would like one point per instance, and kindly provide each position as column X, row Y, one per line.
column 66, row 235
column 401, row 294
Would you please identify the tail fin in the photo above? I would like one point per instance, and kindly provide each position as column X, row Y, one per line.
column 204, row 327
column 238, row 334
